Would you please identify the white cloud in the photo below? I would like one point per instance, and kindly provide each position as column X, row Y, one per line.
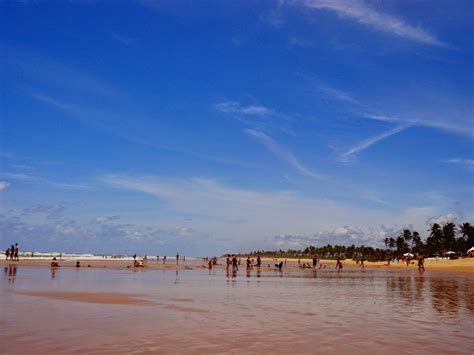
column 359, row 11
column 370, row 141
column 236, row 107
column 103, row 219
column 445, row 218
column 4, row 185
column 282, row 153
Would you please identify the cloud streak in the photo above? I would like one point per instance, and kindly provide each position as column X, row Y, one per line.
column 467, row 163
column 236, row 107
column 365, row 144
column 282, row 153
column 363, row 14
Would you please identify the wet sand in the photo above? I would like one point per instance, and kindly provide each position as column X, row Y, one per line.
column 161, row 310
column 465, row 266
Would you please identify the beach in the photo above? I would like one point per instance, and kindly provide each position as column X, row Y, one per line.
column 465, row 265
column 111, row 308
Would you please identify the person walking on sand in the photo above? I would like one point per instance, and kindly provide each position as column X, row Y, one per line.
column 259, row 262
column 315, row 261
column 7, row 253
column 164, row 259
column 338, row 263
column 17, row 251
column 12, row 252
column 235, row 266
column 362, row 262
column 421, row 262
column 177, row 258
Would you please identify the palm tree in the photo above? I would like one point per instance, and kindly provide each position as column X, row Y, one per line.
column 467, row 232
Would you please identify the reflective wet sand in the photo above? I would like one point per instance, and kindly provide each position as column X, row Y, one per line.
column 119, row 310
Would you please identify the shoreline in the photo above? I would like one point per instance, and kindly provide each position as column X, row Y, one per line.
column 465, row 266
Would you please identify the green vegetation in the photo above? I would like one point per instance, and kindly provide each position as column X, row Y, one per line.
column 441, row 239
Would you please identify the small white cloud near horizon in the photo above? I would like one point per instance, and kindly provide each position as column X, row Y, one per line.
column 282, row 153
column 360, row 12
column 443, row 219
column 4, row 185
column 236, row 107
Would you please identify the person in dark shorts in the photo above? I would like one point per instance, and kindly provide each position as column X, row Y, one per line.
column 235, row 267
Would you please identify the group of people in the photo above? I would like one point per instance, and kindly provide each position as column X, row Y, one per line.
column 13, row 252
column 420, row 258
column 235, row 262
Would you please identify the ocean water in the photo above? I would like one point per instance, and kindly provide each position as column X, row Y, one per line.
column 204, row 311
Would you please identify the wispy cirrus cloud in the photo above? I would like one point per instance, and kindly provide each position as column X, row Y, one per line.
column 467, row 163
column 365, row 144
column 236, row 107
column 282, row 153
column 367, row 16
column 44, row 180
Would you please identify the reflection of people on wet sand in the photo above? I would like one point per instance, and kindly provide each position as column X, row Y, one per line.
column 421, row 262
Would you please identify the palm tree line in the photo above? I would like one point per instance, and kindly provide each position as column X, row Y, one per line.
column 441, row 239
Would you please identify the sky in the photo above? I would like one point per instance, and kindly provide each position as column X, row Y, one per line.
column 209, row 127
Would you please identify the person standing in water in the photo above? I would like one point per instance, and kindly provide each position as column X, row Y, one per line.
column 421, row 262
column 249, row 264
column 235, row 267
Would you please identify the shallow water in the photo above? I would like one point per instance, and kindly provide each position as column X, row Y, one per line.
column 202, row 311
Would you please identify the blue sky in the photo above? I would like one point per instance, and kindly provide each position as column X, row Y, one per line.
column 216, row 126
